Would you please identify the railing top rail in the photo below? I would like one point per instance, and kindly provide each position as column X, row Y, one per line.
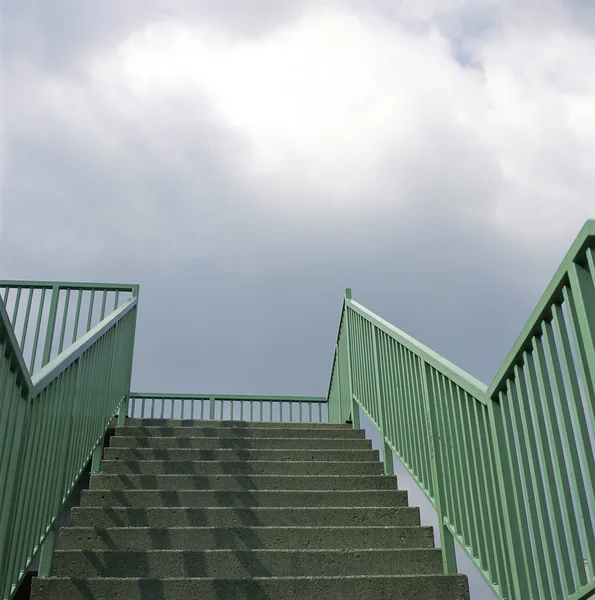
column 85, row 286
column 542, row 312
column 47, row 374
column 170, row 396
column 463, row 379
column 16, row 356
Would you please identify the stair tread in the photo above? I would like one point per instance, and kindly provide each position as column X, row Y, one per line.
column 138, row 422
column 244, row 443
column 185, row 516
column 239, row 454
column 247, row 498
column 378, row 587
column 216, row 467
column 240, row 562
column 252, row 432
column 242, row 481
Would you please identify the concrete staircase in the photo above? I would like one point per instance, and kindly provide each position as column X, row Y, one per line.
column 235, row 510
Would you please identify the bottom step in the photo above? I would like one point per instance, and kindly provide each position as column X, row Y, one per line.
column 428, row 587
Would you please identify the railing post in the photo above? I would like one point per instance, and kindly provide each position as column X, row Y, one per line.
column 449, row 558
column 49, row 336
column 13, row 491
column 582, row 321
column 520, row 589
column 49, row 543
column 97, row 456
column 387, row 451
column 212, row 408
column 123, row 411
column 47, row 551
column 353, row 404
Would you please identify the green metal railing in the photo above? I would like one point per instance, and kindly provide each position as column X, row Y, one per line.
column 53, row 422
column 225, row 407
column 509, row 469
column 48, row 316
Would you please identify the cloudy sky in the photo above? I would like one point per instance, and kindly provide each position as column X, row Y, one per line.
column 245, row 162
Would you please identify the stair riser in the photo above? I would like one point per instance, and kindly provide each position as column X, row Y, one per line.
column 246, row 563
column 240, row 425
column 242, row 482
column 236, row 432
column 210, row 498
column 431, row 587
column 204, row 443
column 241, row 517
column 135, row 454
column 170, row 467
column 313, row 538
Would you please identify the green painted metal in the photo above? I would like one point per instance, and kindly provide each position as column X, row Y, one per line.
column 43, row 316
column 226, row 407
column 51, row 422
column 509, row 468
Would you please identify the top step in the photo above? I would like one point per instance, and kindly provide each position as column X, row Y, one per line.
column 219, row 432
column 131, row 422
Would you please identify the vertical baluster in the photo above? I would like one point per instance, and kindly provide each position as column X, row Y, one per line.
column 449, row 559
column 15, row 312
column 77, row 316
column 91, row 305
column 64, row 321
column 37, row 331
column 103, row 304
column 26, row 321
column 465, row 481
column 450, row 507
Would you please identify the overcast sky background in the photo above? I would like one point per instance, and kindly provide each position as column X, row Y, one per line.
column 245, row 162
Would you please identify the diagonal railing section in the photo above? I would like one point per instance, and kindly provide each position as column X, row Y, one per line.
column 48, row 316
column 51, row 423
column 510, row 469
column 289, row 409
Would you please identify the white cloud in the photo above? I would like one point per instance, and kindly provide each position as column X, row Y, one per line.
column 342, row 115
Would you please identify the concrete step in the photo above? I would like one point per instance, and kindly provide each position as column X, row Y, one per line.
column 239, row 467
column 242, row 482
column 246, row 563
column 208, row 538
column 271, row 498
column 236, row 424
column 238, row 432
column 105, row 518
column 231, row 454
column 403, row 587
column 243, row 443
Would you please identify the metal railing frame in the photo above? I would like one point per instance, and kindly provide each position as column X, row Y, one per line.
column 52, row 423
column 509, row 468
column 291, row 409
